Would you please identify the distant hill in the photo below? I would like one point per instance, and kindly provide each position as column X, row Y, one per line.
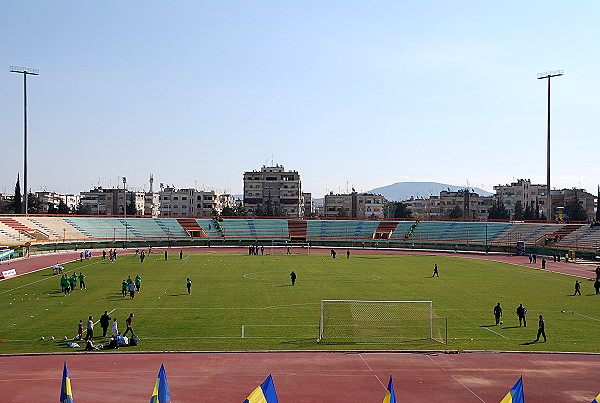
column 404, row 190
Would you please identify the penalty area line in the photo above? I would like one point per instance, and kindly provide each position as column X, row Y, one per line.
column 501, row 335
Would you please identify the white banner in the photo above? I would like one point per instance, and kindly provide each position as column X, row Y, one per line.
column 9, row 273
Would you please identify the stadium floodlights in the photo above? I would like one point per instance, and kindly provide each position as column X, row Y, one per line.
column 378, row 322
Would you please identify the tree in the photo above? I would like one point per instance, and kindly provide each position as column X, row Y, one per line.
column 498, row 211
column 240, row 211
column 228, row 211
column 62, row 207
column 83, row 209
column 519, row 214
column 456, row 212
column 529, row 213
column 52, row 209
column 397, row 210
column 17, row 204
column 575, row 211
column 342, row 213
column 130, row 207
column 34, row 205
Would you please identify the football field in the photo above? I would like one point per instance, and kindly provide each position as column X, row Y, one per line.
column 241, row 302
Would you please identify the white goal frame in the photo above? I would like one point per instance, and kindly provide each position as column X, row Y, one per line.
column 283, row 245
column 327, row 301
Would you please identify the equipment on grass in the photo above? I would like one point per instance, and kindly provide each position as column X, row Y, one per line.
column 378, row 322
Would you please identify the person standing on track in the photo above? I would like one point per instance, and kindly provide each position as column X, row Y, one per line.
column 497, row 313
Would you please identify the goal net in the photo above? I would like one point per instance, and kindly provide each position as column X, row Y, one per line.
column 292, row 247
column 378, row 322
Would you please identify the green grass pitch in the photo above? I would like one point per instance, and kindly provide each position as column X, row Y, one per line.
column 231, row 291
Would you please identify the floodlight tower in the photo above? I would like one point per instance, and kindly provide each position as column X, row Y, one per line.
column 541, row 76
column 34, row 72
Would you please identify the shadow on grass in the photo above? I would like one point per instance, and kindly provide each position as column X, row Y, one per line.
column 177, row 295
column 284, row 285
column 512, row 327
column 531, row 342
column 489, row 325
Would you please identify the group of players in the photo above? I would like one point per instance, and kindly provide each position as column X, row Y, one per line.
column 69, row 283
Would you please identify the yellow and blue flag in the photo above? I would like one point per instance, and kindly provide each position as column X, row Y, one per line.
column 515, row 395
column 597, row 399
column 390, row 396
column 6, row 253
column 161, row 392
column 265, row 393
column 66, row 395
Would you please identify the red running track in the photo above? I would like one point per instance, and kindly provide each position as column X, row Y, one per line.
column 305, row 377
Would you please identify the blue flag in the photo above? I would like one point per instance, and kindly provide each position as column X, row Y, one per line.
column 515, row 395
column 265, row 393
column 66, row 395
column 161, row 392
column 390, row 396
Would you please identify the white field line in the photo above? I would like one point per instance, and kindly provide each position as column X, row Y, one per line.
column 588, row 317
column 501, row 335
column 228, row 308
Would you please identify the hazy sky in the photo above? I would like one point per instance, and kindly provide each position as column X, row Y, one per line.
column 345, row 92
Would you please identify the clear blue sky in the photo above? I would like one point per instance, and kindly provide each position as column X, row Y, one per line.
column 367, row 93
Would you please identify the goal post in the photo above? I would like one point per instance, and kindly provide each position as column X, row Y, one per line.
column 282, row 247
column 378, row 322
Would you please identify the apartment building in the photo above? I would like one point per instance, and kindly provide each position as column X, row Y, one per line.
column 283, row 188
column 100, row 201
column 355, row 205
column 524, row 191
column 192, row 202
column 48, row 199
column 471, row 205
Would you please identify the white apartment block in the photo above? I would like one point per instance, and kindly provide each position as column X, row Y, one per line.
column 192, row 202
column 52, row 198
column 524, row 191
column 355, row 205
column 284, row 188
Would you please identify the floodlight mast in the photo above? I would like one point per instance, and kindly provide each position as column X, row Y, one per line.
column 541, row 76
column 34, row 72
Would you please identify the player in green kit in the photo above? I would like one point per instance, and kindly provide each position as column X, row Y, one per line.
column 124, row 287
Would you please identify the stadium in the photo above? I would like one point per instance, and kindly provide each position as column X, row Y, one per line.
column 373, row 308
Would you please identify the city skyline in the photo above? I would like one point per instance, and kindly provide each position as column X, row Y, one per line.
column 347, row 94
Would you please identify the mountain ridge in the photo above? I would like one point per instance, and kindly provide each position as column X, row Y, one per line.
column 400, row 191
